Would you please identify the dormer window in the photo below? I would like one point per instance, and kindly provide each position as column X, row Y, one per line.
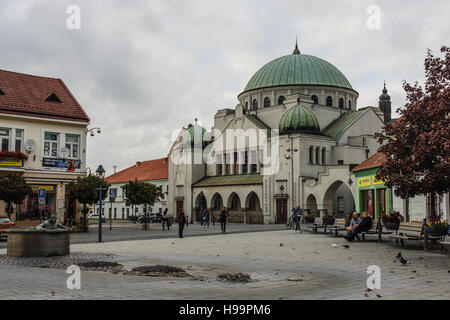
column 52, row 98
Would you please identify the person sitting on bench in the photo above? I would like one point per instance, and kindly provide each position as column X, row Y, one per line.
column 364, row 226
column 354, row 222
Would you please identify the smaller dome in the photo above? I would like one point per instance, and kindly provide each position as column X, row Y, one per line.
column 195, row 134
column 298, row 119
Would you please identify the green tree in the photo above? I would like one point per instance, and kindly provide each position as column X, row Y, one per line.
column 85, row 191
column 13, row 189
column 417, row 145
column 142, row 193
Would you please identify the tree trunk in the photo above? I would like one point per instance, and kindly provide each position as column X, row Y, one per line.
column 433, row 214
column 145, row 216
column 85, row 218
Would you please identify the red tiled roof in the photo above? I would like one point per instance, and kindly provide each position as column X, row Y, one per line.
column 143, row 171
column 25, row 95
column 374, row 161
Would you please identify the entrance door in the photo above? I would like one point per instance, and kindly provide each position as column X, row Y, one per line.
column 381, row 202
column 179, row 208
column 281, row 211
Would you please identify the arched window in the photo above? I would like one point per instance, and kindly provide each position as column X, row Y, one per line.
column 315, row 99
column 246, row 105
column 349, row 104
column 281, row 99
column 341, row 103
column 266, row 102
column 255, row 104
column 329, row 101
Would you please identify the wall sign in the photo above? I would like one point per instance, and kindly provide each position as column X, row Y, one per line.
column 12, row 163
column 364, row 181
column 65, row 165
column 36, row 187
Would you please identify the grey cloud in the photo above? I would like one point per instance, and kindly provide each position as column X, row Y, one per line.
column 143, row 69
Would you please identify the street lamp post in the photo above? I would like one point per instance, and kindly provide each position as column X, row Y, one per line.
column 100, row 171
column 290, row 156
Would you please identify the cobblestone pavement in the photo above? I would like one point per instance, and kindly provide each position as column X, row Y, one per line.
column 286, row 265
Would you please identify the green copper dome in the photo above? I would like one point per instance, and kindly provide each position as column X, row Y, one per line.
column 297, row 119
column 195, row 134
column 298, row 69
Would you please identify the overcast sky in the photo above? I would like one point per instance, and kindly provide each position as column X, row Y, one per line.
column 143, row 69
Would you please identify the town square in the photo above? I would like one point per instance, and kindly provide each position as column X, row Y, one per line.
column 154, row 150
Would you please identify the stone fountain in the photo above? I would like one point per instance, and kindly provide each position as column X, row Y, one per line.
column 50, row 238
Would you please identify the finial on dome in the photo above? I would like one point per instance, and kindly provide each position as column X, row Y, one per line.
column 296, row 50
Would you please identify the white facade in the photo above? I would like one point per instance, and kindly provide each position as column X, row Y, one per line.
column 119, row 209
column 45, row 167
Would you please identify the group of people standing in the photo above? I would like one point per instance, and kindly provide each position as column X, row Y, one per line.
column 206, row 217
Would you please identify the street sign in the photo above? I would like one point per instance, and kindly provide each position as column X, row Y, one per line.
column 112, row 194
column 42, row 193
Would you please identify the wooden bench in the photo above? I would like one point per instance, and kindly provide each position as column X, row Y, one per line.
column 443, row 244
column 339, row 225
column 376, row 228
column 318, row 224
column 411, row 231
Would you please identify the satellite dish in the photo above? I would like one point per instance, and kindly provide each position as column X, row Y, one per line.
column 30, row 145
column 64, row 153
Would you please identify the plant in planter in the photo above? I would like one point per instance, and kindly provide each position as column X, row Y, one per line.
column 436, row 227
column 13, row 155
column 309, row 218
column 392, row 221
column 328, row 220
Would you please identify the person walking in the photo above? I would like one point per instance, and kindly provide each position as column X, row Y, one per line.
column 294, row 217
column 206, row 217
column 165, row 220
column 181, row 222
column 223, row 219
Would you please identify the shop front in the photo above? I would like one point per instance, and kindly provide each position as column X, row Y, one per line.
column 372, row 195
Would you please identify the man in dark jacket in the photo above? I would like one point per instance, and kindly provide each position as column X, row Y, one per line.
column 181, row 223
column 223, row 219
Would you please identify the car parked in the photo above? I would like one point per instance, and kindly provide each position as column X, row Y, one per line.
column 5, row 224
column 95, row 216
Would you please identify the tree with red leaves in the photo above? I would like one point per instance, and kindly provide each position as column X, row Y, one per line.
column 417, row 145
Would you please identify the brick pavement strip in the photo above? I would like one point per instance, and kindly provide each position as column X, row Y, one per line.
column 305, row 266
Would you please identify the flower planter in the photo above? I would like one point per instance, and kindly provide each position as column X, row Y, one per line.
column 309, row 219
column 389, row 225
column 12, row 155
column 437, row 230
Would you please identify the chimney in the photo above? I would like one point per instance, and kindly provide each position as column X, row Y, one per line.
column 138, row 163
